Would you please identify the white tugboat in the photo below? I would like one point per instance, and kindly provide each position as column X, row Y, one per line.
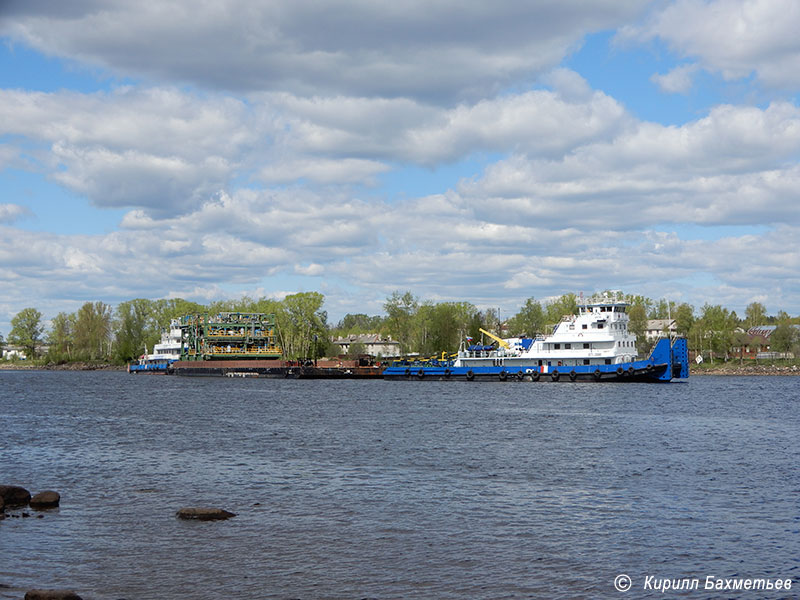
column 596, row 344
column 166, row 352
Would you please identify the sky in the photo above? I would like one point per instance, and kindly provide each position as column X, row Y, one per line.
column 467, row 151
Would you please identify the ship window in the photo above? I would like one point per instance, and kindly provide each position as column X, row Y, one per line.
column 585, row 345
column 608, row 361
column 599, row 325
column 586, row 361
column 584, row 326
column 556, row 346
column 567, row 346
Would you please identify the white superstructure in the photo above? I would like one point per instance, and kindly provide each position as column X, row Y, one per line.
column 169, row 348
column 597, row 335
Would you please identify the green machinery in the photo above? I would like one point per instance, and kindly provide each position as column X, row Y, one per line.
column 229, row 336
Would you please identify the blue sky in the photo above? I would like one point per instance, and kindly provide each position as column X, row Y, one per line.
column 461, row 152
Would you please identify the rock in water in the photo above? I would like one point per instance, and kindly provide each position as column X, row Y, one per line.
column 51, row 595
column 14, row 495
column 46, row 499
column 204, row 514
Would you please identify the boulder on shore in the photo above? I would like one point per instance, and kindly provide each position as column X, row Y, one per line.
column 204, row 514
column 46, row 499
column 51, row 595
column 14, row 495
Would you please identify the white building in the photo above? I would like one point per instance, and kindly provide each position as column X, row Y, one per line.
column 656, row 328
column 374, row 344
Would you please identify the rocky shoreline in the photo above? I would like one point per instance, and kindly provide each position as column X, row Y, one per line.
column 76, row 366
column 737, row 369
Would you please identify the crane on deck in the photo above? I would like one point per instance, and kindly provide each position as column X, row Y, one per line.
column 500, row 341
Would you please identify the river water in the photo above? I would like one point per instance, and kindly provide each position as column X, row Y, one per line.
column 373, row 489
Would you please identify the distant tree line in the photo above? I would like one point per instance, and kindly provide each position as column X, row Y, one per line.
column 99, row 332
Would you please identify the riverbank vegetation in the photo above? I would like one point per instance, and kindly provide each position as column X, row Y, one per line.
column 98, row 333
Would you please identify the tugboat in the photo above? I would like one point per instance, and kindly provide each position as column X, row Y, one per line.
column 594, row 345
column 164, row 353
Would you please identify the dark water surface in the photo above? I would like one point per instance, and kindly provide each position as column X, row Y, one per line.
column 351, row 489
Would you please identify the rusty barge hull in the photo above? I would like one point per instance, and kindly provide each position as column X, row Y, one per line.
column 273, row 369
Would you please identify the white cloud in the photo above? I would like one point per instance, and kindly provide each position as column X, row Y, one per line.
column 677, row 81
column 9, row 213
column 262, row 192
column 732, row 37
column 733, row 167
column 441, row 50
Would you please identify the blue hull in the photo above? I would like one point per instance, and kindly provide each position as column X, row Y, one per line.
column 149, row 367
column 666, row 362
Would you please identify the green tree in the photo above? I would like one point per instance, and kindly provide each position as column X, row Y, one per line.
column 556, row 309
column 401, row 310
column 165, row 310
column 136, row 328
column 663, row 309
column 754, row 315
column 93, row 331
column 716, row 328
column 684, row 318
column 637, row 313
column 356, row 349
column 26, row 331
column 359, row 323
column 529, row 321
column 299, row 319
column 444, row 325
column 784, row 338
column 61, row 338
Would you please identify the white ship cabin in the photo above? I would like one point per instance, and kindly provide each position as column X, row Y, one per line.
column 597, row 335
column 171, row 341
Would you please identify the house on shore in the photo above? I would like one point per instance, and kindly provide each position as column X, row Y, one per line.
column 657, row 328
column 374, row 344
column 10, row 352
column 759, row 345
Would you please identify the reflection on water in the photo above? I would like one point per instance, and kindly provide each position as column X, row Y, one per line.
column 376, row 489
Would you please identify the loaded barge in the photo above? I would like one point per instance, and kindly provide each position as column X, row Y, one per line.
column 594, row 345
column 232, row 344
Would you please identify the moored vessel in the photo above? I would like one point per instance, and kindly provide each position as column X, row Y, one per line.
column 594, row 345
column 166, row 352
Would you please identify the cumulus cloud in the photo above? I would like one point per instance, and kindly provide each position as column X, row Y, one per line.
column 438, row 51
column 732, row 37
column 250, row 179
column 9, row 213
column 732, row 167
column 677, row 81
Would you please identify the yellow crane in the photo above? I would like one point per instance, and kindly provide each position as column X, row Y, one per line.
column 500, row 341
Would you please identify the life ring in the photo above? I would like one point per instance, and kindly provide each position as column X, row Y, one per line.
column 503, row 375
column 520, row 375
column 554, row 375
column 535, row 376
column 470, row 375
column 620, row 371
column 597, row 374
column 421, row 373
column 631, row 371
column 447, row 373
column 573, row 375
column 408, row 372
